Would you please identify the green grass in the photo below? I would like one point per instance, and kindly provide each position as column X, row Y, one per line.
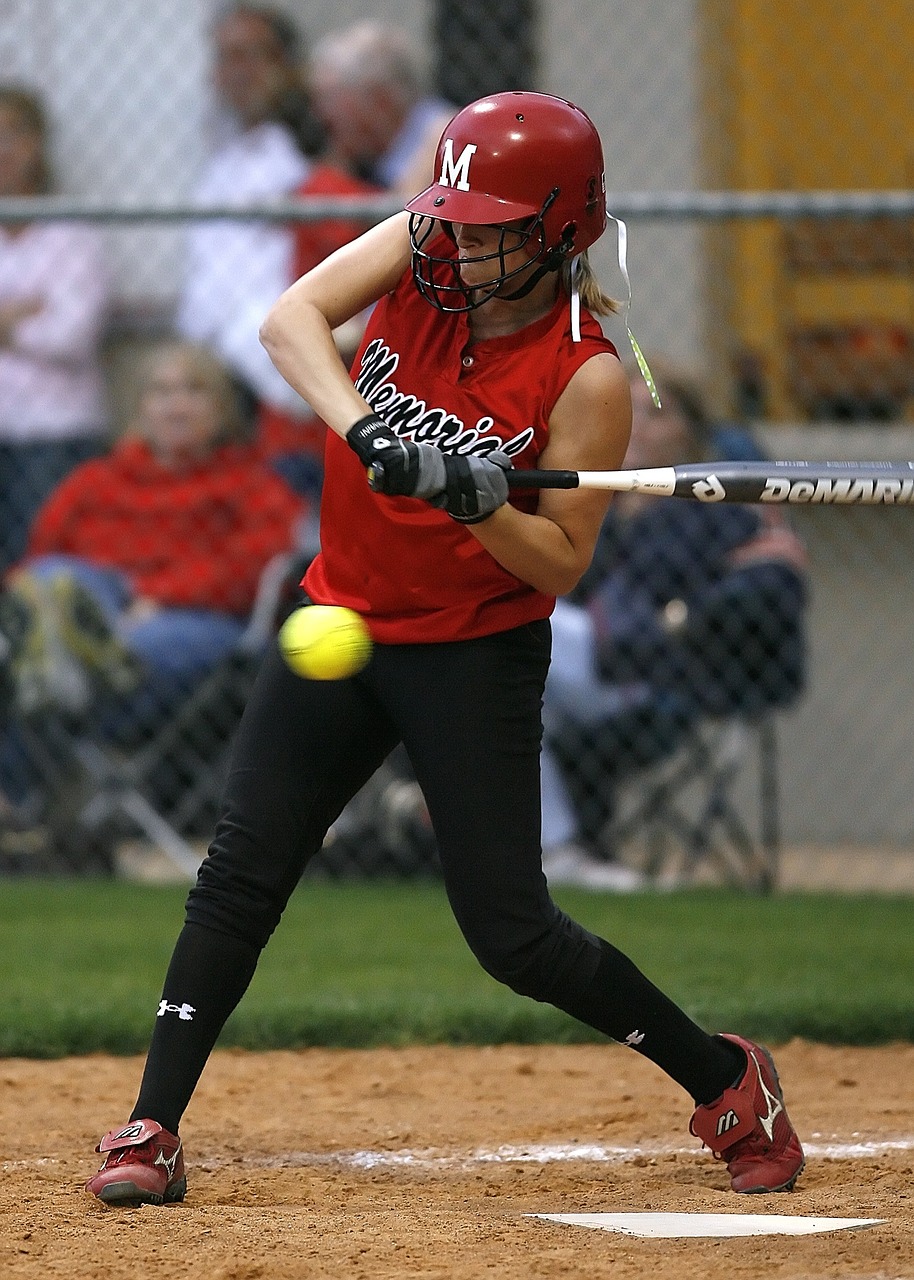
column 358, row 964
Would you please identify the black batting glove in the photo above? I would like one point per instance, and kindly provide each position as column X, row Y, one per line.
column 475, row 486
column 382, row 452
column 396, row 467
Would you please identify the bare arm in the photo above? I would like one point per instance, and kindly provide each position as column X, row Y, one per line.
column 63, row 324
column 298, row 331
column 589, row 428
column 13, row 313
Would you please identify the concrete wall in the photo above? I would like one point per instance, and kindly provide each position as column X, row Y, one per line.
column 847, row 751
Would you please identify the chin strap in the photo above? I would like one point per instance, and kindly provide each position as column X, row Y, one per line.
column 626, row 307
column 552, row 263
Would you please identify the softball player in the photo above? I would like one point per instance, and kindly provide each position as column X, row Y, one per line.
column 483, row 351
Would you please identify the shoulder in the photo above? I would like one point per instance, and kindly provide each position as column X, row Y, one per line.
column 589, row 390
column 260, row 493
column 327, row 179
column 601, row 366
column 91, row 477
column 408, row 164
column 432, row 110
column 276, row 143
column 599, row 378
column 736, row 443
column 710, row 531
column 573, row 349
column 260, row 161
column 590, row 422
column 427, row 119
column 245, row 460
column 56, row 238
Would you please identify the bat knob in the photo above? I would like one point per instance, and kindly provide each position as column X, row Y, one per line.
column 376, row 476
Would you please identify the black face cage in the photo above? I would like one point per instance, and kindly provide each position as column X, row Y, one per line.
column 448, row 292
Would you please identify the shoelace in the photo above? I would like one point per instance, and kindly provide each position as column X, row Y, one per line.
column 143, row 1152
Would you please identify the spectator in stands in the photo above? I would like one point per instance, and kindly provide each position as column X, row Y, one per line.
column 381, row 131
column 689, row 610
column 293, row 437
column 54, row 298
column 142, row 567
column 380, row 119
column 235, row 271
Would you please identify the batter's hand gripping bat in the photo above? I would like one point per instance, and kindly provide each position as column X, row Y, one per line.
column 844, row 483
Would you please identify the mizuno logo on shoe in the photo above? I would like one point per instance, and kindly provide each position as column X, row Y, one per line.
column 726, row 1122
column 132, row 1131
column 168, row 1162
column 184, row 1011
column 775, row 1106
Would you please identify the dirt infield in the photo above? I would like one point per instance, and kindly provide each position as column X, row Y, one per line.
column 423, row 1162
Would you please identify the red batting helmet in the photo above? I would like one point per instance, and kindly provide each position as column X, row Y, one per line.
column 506, row 158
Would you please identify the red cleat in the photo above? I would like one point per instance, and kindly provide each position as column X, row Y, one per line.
column 748, row 1127
column 144, row 1164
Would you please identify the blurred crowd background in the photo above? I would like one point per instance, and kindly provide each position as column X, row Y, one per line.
column 129, row 130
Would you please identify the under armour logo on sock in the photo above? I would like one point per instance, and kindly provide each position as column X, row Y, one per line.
column 184, row 1011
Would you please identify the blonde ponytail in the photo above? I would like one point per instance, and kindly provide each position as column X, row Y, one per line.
column 589, row 288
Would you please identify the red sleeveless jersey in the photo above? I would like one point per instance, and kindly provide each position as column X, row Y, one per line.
column 415, row 574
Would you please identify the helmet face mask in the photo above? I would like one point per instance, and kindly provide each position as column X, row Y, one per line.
column 511, row 160
column 441, row 280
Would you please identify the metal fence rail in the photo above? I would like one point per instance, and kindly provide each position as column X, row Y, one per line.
column 677, row 206
column 858, row 678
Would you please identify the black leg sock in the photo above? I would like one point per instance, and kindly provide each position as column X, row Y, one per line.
column 623, row 1004
column 208, row 974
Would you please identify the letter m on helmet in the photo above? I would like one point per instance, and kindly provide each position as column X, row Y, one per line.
column 456, row 173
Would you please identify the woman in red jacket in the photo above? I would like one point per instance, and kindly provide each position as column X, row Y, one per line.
column 162, row 541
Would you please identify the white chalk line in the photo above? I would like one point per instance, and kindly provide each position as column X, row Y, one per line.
column 536, row 1153
column 705, row 1226
column 533, row 1153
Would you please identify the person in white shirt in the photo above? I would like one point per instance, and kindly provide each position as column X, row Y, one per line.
column 54, row 301
column 368, row 90
column 234, row 271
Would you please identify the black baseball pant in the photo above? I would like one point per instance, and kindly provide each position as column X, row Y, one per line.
column 469, row 716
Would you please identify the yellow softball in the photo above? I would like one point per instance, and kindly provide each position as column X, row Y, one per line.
column 325, row 642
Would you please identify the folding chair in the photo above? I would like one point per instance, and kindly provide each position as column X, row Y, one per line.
column 688, row 812
column 99, row 792
column 385, row 830
column 676, row 819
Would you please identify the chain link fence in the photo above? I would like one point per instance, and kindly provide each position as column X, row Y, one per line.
column 768, row 186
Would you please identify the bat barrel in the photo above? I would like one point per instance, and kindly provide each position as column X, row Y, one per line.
column 799, row 483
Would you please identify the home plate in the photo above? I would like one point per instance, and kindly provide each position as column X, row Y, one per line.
column 672, row 1226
